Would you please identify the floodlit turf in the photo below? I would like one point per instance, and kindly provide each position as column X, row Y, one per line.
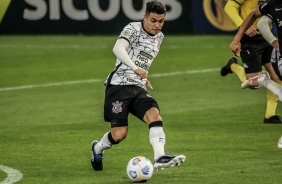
column 51, row 112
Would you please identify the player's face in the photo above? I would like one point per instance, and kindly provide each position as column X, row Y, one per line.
column 153, row 23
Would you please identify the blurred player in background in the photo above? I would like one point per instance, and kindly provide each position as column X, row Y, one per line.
column 126, row 92
column 273, row 10
column 255, row 53
column 271, row 39
column 275, row 59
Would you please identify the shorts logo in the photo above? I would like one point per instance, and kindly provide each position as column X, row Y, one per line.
column 117, row 107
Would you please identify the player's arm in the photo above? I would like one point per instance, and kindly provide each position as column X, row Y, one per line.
column 232, row 10
column 119, row 50
column 263, row 26
column 235, row 46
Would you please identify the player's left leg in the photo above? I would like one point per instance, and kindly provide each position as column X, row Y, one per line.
column 271, row 106
column 263, row 79
column 116, row 110
column 115, row 136
column 157, row 140
column 232, row 66
column 274, row 93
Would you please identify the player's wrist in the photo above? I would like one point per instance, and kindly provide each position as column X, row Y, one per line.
column 134, row 68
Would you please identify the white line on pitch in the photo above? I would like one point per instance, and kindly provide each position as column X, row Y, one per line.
column 13, row 175
column 99, row 80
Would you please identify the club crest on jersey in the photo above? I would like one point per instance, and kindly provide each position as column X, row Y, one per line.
column 117, row 107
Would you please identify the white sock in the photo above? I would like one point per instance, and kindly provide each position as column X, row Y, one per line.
column 157, row 140
column 274, row 87
column 103, row 144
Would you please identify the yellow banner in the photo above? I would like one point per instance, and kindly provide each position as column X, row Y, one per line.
column 4, row 4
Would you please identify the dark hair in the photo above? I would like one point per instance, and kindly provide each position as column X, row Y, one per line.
column 155, row 7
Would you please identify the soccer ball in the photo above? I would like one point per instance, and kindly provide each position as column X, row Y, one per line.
column 139, row 169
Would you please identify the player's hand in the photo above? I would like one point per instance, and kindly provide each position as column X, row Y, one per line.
column 275, row 45
column 142, row 73
column 148, row 84
column 252, row 31
column 235, row 48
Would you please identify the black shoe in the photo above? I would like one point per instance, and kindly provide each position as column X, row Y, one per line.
column 96, row 159
column 273, row 120
column 226, row 69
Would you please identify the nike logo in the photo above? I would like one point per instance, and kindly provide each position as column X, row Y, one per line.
column 277, row 9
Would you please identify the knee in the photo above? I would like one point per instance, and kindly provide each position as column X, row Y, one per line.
column 157, row 118
column 152, row 115
column 119, row 136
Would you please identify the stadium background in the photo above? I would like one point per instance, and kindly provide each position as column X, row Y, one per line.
column 109, row 16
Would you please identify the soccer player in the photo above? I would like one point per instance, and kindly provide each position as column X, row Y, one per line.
column 277, row 64
column 255, row 52
column 271, row 39
column 272, row 9
column 126, row 91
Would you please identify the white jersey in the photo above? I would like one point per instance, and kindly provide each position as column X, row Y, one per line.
column 142, row 50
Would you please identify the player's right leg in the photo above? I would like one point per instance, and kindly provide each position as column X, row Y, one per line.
column 96, row 156
column 255, row 55
column 263, row 79
column 109, row 139
column 115, row 112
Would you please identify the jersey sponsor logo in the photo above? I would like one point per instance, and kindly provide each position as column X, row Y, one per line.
column 117, row 107
column 146, row 54
column 141, row 64
column 215, row 14
column 142, row 60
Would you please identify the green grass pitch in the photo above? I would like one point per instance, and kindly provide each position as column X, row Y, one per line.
column 51, row 101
